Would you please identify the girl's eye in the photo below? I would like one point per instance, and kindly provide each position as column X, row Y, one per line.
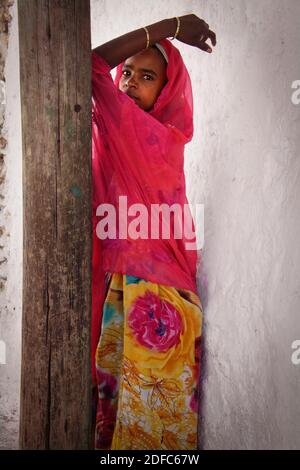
column 125, row 72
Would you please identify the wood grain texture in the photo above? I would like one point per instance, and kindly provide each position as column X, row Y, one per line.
column 55, row 71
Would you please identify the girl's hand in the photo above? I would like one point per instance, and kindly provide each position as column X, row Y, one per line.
column 195, row 32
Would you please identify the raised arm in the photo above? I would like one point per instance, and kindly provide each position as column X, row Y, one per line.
column 193, row 31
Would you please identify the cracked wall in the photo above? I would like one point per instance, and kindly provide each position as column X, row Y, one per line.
column 10, row 226
column 5, row 20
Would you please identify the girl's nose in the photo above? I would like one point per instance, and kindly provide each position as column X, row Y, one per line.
column 131, row 82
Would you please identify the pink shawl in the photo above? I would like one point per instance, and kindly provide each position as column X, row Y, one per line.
column 140, row 155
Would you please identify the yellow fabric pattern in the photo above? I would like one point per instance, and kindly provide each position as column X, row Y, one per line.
column 147, row 364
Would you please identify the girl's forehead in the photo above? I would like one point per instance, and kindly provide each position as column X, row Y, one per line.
column 147, row 58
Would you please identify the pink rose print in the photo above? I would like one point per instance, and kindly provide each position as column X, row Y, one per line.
column 155, row 323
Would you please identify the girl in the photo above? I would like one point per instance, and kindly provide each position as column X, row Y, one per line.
column 146, row 369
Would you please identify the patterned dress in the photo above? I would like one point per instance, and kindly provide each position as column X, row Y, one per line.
column 147, row 365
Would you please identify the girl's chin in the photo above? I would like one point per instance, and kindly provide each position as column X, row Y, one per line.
column 140, row 105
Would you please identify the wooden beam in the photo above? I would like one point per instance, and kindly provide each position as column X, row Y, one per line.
column 55, row 73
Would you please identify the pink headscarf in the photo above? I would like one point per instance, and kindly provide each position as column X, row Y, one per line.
column 141, row 155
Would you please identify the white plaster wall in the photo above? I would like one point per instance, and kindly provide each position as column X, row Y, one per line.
column 12, row 240
column 244, row 166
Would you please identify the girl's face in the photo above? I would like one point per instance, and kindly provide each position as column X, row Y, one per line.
column 143, row 77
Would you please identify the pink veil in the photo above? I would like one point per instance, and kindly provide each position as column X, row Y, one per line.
column 141, row 155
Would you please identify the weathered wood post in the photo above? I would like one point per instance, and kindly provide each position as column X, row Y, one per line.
column 55, row 72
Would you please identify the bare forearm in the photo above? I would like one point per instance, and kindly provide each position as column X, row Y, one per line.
column 118, row 49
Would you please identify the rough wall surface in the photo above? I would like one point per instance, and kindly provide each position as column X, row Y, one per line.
column 10, row 227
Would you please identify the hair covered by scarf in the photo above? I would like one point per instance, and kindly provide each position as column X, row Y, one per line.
column 162, row 50
column 140, row 155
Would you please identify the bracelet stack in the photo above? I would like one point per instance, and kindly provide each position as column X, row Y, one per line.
column 171, row 39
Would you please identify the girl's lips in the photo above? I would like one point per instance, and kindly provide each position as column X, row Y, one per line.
column 132, row 96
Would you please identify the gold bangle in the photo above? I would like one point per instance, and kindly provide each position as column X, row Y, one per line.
column 148, row 39
column 177, row 29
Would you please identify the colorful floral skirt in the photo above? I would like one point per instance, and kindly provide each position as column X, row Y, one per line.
column 147, row 365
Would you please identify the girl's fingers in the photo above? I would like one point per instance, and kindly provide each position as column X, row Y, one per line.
column 205, row 47
column 212, row 37
column 203, row 37
column 208, row 35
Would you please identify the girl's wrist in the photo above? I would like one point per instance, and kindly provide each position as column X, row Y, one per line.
column 118, row 49
column 162, row 29
column 172, row 26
